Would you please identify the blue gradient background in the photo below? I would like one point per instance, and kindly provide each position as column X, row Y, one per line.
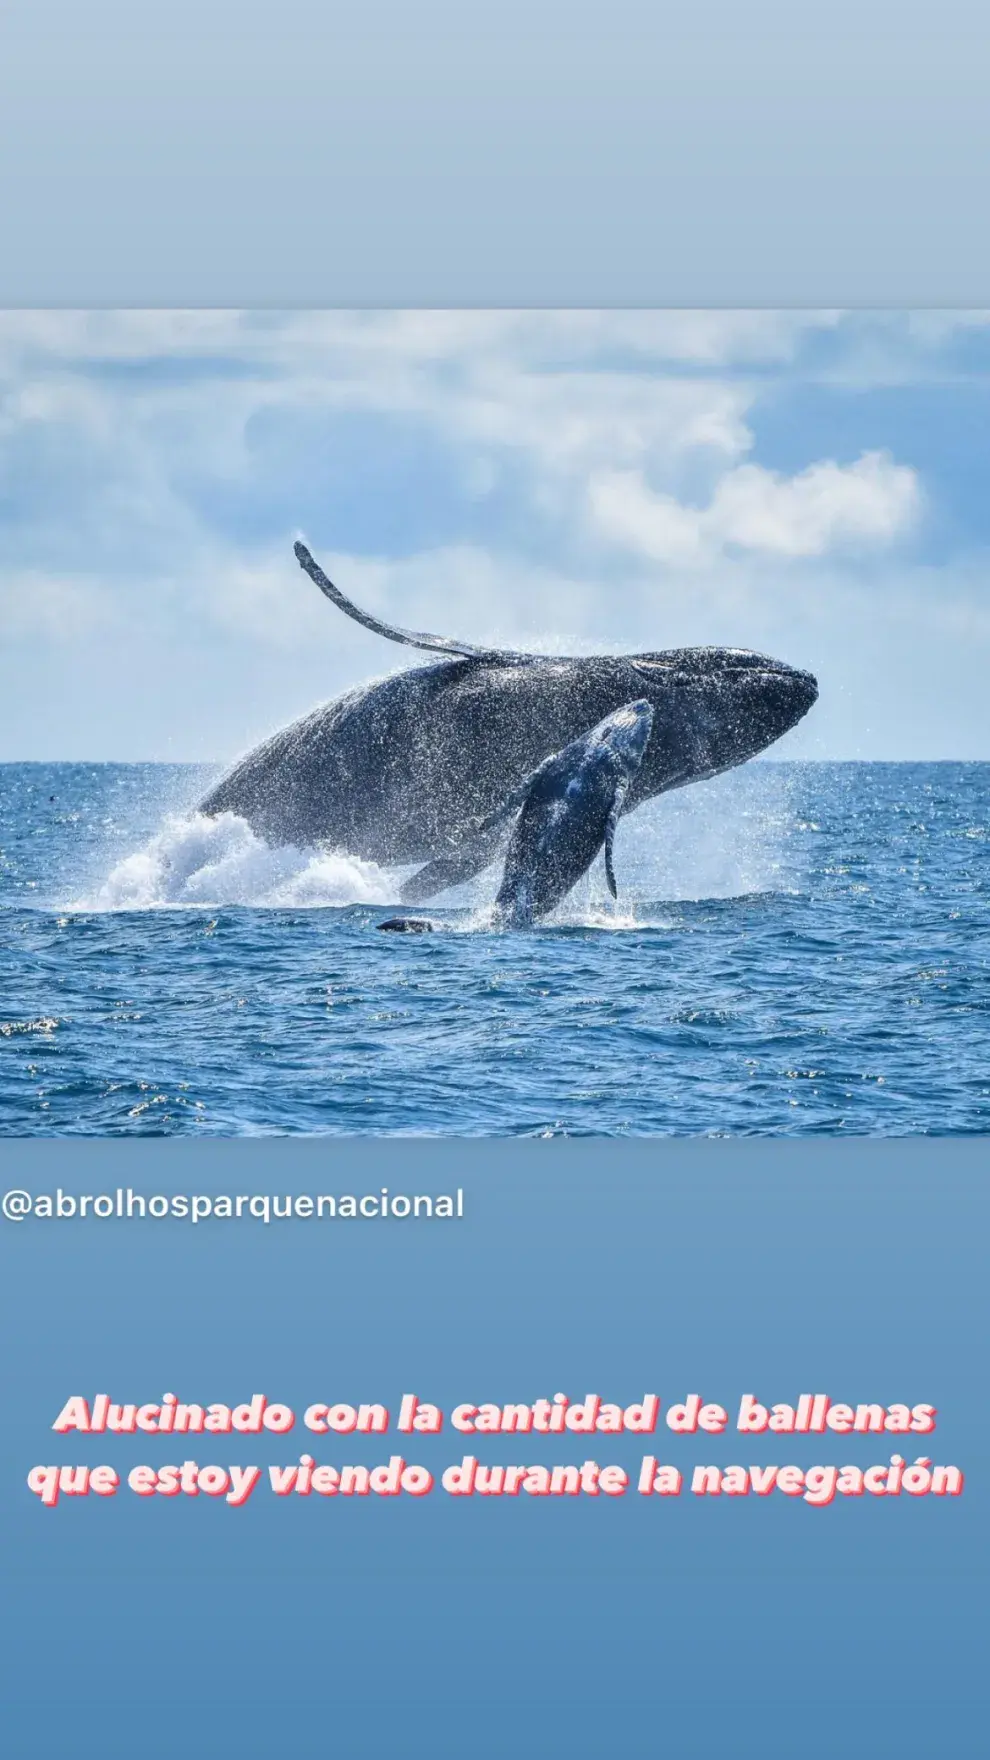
column 503, row 1627
column 533, row 154
column 224, row 152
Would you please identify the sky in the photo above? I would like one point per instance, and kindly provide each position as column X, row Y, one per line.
column 813, row 485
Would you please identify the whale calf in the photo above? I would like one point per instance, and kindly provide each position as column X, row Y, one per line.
column 570, row 811
column 567, row 811
column 409, row 768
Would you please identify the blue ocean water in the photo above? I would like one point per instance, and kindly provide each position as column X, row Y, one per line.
column 797, row 950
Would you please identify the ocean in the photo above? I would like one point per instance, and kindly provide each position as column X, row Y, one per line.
column 797, row 950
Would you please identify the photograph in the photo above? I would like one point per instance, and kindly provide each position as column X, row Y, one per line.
column 494, row 723
column 494, row 882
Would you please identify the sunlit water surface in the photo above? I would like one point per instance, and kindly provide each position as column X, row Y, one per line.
column 797, row 950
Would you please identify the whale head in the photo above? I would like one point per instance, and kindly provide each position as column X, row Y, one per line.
column 626, row 734
column 715, row 708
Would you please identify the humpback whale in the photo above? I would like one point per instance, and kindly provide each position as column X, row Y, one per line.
column 571, row 808
column 568, row 809
column 420, row 767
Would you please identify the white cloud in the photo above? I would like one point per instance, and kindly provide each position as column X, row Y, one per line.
column 569, row 390
column 63, row 610
column 357, row 341
column 535, row 479
column 142, row 397
column 124, row 431
column 572, row 422
column 827, row 506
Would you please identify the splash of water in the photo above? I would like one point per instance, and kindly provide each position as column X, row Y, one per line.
column 200, row 861
column 722, row 839
column 731, row 837
column 598, row 913
column 728, row 838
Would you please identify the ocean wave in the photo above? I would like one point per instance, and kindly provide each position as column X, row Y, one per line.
column 200, row 861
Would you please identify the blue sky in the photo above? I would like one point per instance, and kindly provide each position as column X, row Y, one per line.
column 813, row 484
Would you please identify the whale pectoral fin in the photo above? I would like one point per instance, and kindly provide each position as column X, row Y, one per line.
column 613, row 820
column 478, row 849
column 470, row 858
column 618, row 805
column 409, row 638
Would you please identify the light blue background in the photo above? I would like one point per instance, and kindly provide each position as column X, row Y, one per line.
column 230, row 152
column 518, row 1627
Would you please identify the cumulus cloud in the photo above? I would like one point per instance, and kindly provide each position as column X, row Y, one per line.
column 566, row 391
column 36, row 606
column 348, row 342
column 537, row 479
column 184, row 447
column 571, row 422
column 866, row 504
column 154, row 412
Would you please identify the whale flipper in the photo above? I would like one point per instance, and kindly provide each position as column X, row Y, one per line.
column 618, row 806
column 409, row 638
column 613, row 820
column 474, row 853
column 572, row 809
column 463, row 863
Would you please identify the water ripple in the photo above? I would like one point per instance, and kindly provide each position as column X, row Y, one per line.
column 798, row 951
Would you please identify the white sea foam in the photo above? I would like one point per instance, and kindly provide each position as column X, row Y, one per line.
column 195, row 860
column 603, row 914
column 721, row 839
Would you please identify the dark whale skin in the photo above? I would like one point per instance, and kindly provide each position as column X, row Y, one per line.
column 571, row 810
column 398, row 771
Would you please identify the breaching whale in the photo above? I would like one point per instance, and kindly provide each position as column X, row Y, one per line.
column 571, row 809
column 408, row 769
column 567, row 811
